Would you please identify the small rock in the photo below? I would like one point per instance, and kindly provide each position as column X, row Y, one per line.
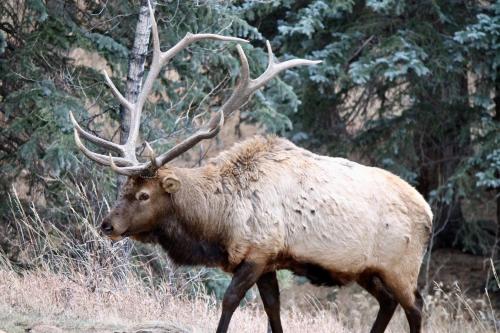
column 159, row 329
column 43, row 328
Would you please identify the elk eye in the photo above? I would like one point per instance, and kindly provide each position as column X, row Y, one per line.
column 142, row 196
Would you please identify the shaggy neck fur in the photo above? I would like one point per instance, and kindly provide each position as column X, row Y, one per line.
column 198, row 205
column 193, row 234
column 199, row 230
column 187, row 249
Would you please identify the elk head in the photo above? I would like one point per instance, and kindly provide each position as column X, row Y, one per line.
column 145, row 197
column 143, row 203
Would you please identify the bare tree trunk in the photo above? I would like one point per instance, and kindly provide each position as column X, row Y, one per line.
column 136, row 61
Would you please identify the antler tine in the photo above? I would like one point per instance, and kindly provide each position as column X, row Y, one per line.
column 154, row 33
column 247, row 86
column 213, row 127
column 151, row 154
column 95, row 139
column 96, row 157
column 244, row 89
column 275, row 67
column 117, row 93
column 99, row 158
column 237, row 98
column 132, row 170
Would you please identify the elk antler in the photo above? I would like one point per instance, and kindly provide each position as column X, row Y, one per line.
column 128, row 164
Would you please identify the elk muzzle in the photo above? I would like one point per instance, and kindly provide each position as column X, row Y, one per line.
column 111, row 229
column 106, row 227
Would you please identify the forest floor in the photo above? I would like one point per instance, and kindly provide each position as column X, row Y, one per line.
column 41, row 302
column 452, row 267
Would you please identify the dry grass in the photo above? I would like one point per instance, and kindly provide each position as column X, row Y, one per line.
column 74, row 279
column 59, row 300
column 67, row 302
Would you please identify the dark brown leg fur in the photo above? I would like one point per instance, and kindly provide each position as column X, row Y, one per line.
column 411, row 303
column 414, row 314
column 244, row 277
column 270, row 294
column 386, row 301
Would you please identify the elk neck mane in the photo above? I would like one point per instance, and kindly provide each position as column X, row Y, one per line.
column 199, row 231
column 208, row 194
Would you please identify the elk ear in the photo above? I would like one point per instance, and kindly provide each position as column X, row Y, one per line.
column 171, row 183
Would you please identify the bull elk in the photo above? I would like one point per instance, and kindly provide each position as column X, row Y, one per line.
column 266, row 204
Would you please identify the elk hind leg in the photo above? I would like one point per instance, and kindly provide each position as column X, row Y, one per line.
column 270, row 294
column 414, row 313
column 387, row 303
column 410, row 299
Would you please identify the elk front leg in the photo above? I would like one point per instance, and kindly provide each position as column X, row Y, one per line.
column 270, row 294
column 244, row 277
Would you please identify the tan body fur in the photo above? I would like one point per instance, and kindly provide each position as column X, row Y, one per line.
column 272, row 202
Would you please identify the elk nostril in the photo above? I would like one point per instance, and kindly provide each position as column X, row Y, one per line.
column 106, row 227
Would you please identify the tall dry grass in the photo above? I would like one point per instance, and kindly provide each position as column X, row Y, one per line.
column 67, row 275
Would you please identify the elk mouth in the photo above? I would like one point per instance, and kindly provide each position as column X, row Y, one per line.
column 116, row 237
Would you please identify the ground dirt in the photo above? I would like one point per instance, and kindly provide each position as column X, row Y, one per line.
column 452, row 267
